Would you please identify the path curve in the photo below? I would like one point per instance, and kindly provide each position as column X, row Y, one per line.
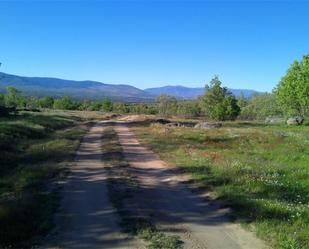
column 200, row 223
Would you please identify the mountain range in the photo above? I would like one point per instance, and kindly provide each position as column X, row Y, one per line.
column 182, row 92
column 43, row 86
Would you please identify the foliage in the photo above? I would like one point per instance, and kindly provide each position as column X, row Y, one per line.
column 46, row 102
column 32, row 148
column 93, row 106
column 167, row 105
column 188, row 109
column 293, row 89
column 218, row 103
column 260, row 107
column 14, row 98
column 107, row 105
column 242, row 101
column 31, row 102
column 64, row 103
column 120, row 108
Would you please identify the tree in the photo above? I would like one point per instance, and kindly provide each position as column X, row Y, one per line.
column 242, row 101
column 32, row 103
column 107, row 105
column 218, row 103
column 94, row 106
column 188, row 109
column 121, row 108
column 46, row 102
column 64, row 103
column 13, row 97
column 261, row 106
column 293, row 89
column 167, row 105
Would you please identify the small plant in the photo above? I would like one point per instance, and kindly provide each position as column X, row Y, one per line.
column 289, row 243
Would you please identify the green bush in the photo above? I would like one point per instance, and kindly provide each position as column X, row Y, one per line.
column 218, row 103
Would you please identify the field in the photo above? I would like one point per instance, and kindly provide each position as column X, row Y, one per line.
column 261, row 171
column 36, row 149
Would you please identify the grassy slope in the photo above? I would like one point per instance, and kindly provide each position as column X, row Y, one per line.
column 34, row 149
column 262, row 171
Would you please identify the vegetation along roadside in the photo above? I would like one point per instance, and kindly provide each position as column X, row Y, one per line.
column 36, row 149
column 259, row 170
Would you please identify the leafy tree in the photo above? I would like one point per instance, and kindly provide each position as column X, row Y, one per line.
column 94, row 106
column 242, row 101
column 167, row 105
column 121, row 108
column 46, row 102
column 32, row 103
column 64, row 103
column 260, row 107
column 188, row 109
column 152, row 109
column 107, row 105
column 293, row 89
column 218, row 103
column 14, row 98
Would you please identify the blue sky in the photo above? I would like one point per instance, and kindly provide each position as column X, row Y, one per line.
column 154, row 43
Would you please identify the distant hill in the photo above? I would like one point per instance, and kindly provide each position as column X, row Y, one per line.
column 182, row 92
column 40, row 86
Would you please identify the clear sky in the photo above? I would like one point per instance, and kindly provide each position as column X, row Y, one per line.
column 154, row 43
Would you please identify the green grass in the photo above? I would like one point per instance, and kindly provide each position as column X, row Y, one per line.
column 121, row 185
column 262, row 171
column 34, row 151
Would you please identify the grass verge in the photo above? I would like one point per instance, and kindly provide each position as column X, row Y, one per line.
column 262, row 171
column 121, row 186
column 34, row 151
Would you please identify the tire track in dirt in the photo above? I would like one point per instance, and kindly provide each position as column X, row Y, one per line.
column 168, row 203
column 86, row 219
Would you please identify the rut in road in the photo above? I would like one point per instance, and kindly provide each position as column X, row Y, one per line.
column 86, row 218
column 173, row 208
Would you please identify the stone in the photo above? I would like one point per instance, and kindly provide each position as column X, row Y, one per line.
column 274, row 120
column 208, row 125
column 295, row 120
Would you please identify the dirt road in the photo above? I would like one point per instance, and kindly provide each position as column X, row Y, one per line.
column 86, row 218
column 173, row 208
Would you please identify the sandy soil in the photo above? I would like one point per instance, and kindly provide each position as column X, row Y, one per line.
column 86, row 218
column 173, row 208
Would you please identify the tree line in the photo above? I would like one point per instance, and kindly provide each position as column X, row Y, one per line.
column 289, row 98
